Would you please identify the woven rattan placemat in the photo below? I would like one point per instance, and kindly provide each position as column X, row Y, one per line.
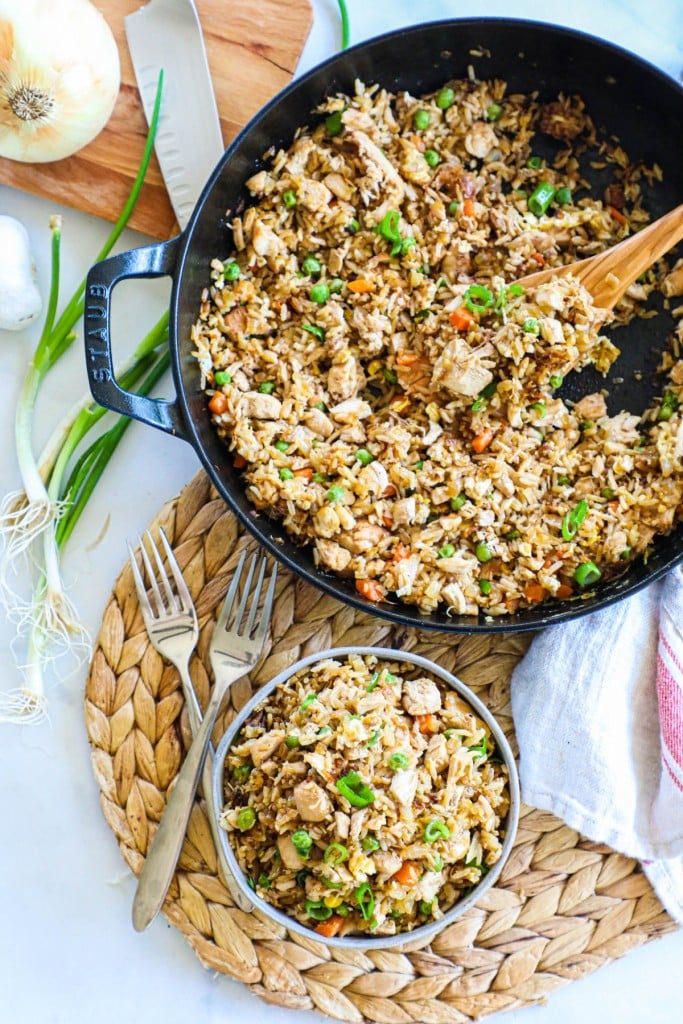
column 562, row 907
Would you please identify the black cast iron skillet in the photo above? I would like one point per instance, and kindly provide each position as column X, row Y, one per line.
column 623, row 94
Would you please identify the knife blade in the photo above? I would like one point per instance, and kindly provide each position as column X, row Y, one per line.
column 167, row 34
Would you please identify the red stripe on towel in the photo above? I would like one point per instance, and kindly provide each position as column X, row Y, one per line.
column 672, row 774
column 670, row 699
column 670, row 651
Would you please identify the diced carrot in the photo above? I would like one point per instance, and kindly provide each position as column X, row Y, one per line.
column 239, row 462
column 613, row 505
column 539, row 258
column 535, row 592
column 218, row 403
column 401, row 551
column 360, row 286
column 468, row 208
column 330, row 927
column 618, row 215
column 305, row 472
column 462, row 319
column 408, row 874
column 551, row 559
column 407, row 358
column 427, row 723
column 389, row 491
column 483, row 440
column 387, row 521
column 370, row 589
column 564, row 591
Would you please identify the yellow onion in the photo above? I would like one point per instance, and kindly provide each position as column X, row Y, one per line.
column 59, row 77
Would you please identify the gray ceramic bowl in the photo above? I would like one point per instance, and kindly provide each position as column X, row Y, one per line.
column 423, row 931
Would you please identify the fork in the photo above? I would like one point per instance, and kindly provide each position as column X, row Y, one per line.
column 235, row 648
column 171, row 623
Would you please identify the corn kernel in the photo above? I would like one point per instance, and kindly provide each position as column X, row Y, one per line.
column 333, row 901
column 374, row 366
column 401, row 404
column 432, row 411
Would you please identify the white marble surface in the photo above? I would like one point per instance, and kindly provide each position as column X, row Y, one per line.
column 68, row 953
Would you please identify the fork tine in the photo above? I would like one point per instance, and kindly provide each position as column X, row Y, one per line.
column 230, row 596
column 184, row 595
column 239, row 614
column 264, row 621
column 143, row 599
column 151, row 578
column 255, row 598
column 171, row 601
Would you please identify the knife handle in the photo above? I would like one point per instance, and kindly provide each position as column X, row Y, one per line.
column 148, row 261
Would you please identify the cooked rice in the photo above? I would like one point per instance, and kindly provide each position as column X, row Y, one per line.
column 432, row 769
column 429, row 459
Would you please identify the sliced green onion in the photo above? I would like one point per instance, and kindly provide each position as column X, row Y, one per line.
column 437, row 864
column 668, row 407
column 316, row 331
column 355, row 790
column 426, row 906
column 436, row 829
column 369, row 844
column 625, row 553
column 373, row 739
column 541, row 198
column 308, row 700
column 390, row 376
column 516, row 289
column 319, row 293
column 479, row 404
column 364, row 457
column 483, row 552
column 318, row 910
column 246, row 819
column 282, row 446
column 264, row 881
column 289, row 198
column 330, row 884
column 286, row 474
column 539, row 407
column 324, row 730
column 318, row 478
column 485, row 586
column 242, row 772
column 535, row 162
column 587, row 573
column 336, row 285
column 353, row 226
column 587, row 425
column 333, row 123
column 531, row 326
column 419, row 465
column 366, row 900
column 494, row 111
column 573, row 519
column 564, row 481
column 447, row 551
column 481, row 748
column 335, row 853
column 398, row 761
column 432, row 157
column 388, row 227
column 372, row 685
column 267, row 387
column 321, row 406
column 292, row 742
column 407, row 243
column 222, row 377
column 457, row 503
column 607, row 492
column 336, row 493
column 478, row 297
column 231, row 271
column 421, row 120
column 302, row 843
column 556, row 380
column 302, row 875
column 563, row 196
column 511, row 535
column 445, row 98
column 311, row 266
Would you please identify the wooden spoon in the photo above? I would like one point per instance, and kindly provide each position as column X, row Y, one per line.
column 608, row 275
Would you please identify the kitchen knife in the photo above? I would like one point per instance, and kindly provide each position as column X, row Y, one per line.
column 167, row 34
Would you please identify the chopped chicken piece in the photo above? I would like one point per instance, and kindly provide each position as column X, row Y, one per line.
column 263, row 746
column 403, row 511
column 592, row 407
column 341, row 188
column 406, row 573
column 404, row 785
column 342, row 822
column 374, row 478
column 312, row 802
column 351, row 410
column 672, row 285
column 459, row 368
column 429, row 886
column 287, row 850
column 344, row 379
column 332, row 555
column 313, row 195
column 387, row 863
column 365, row 537
column 319, row 423
column 380, row 174
column 327, row 521
column 261, row 407
column 480, row 139
column 436, row 752
column 551, row 330
column 414, row 167
column 421, row 696
column 265, row 241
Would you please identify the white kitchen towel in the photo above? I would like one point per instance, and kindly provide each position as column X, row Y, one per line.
column 598, row 709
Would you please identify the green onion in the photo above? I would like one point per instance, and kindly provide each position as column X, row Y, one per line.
column 335, row 853
column 556, row 380
column 354, row 789
column 407, row 243
column 541, row 198
column 573, row 519
column 292, row 742
column 267, row 387
column 447, row 551
column 625, row 553
column 457, row 503
column 231, row 271
column 478, row 298
column 587, row 425
column 563, row 196
column 531, row 326
column 421, row 120
column 485, row 586
column 311, row 266
column 540, row 408
column 369, row 844
column 302, row 843
column 330, row 884
column 481, row 748
column 535, row 162
column 364, row 457
column 289, row 198
column 494, row 111
column 242, row 772
column 373, row 739
column 282, row 446
column 587, row 573
column 336, row 285
column 318, row 910
column 372, row 685
column 607, row 492
column 453, row 207
column 398, row 761
column 564, row 481
column 483, row 552
column 321, row 406
column 336, row 493
column 318, row 478
column 668, row 407
column 307, row 701
column 319, row 293
column 436, row 829
column 302, row 875
column 479, row 404
column 246, row 819
column 324, row 730
column 390, row 376
column 516, row 289
column 432, row 157
column 316, row 331
column 511, row 534
column 286, row 474
column 353, row 226
column 419, row 465
column 437, row 864
column 333, row 123
column 264, row 881
column 445, row 98
column 388, row 227
column 426, row 906
column 222, row 377
column 366, row 900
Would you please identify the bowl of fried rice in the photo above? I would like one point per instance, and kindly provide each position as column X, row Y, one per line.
column 366, row 797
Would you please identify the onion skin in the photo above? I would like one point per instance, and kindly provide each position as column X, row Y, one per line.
column 59, row 78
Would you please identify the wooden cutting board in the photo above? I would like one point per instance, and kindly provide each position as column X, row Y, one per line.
column 253, row 49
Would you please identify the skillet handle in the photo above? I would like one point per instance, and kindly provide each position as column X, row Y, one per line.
column 148, row 261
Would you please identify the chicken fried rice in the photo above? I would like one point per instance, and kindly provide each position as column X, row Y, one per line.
column 364, row 796
column 392, row 395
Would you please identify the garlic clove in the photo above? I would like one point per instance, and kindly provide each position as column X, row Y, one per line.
column 20, row 300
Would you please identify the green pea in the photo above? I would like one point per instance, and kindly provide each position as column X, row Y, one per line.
column 231, row 271
column 286, row 474
column 319, row 293
column 311, row 266
column 445, row 98
column 432, row 157
column 289, row 198
column 421, row 120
